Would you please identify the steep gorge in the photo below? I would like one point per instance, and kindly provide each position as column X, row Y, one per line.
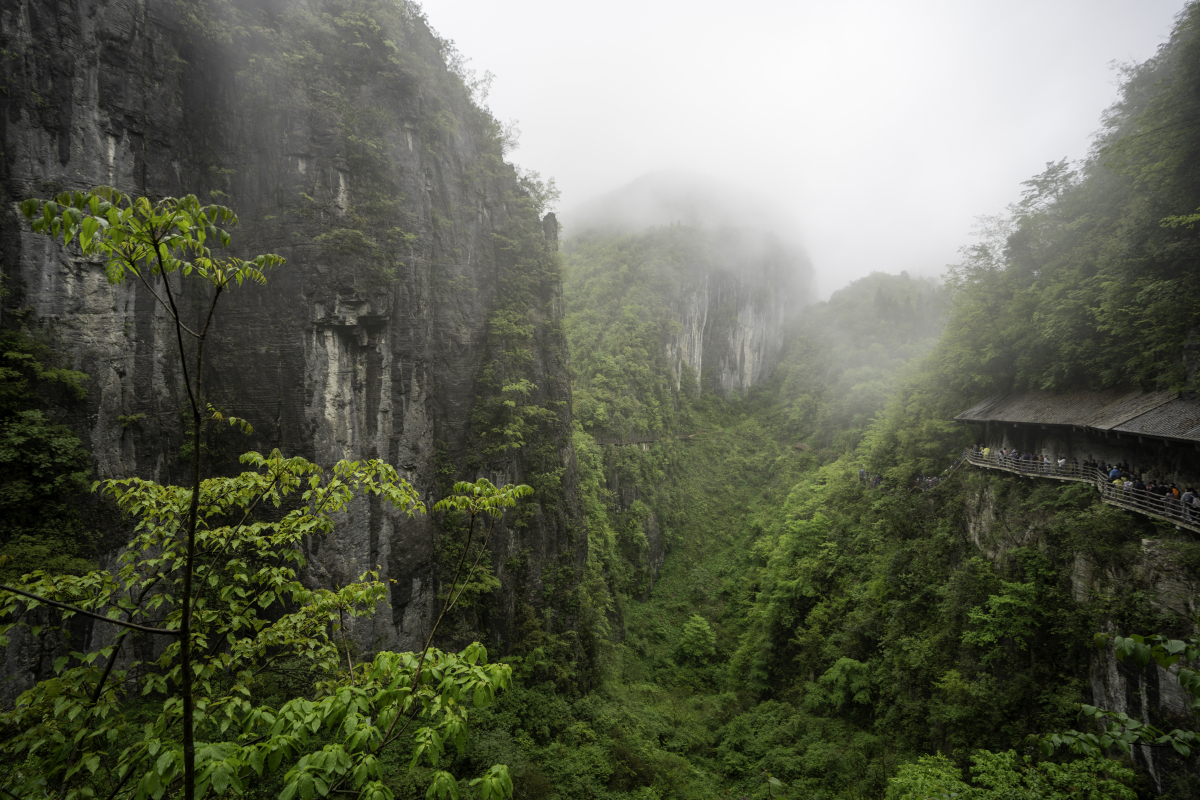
column 684, row 613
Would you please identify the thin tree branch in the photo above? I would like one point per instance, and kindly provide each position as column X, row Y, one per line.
column 346, row 644
column 86, row 613
column 121, row 785
column 387, row 737
column 161, row 302
column 471, row 571
column 187, row 381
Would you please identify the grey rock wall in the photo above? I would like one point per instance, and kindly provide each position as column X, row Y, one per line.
column 731, row 308
column 372, row 172
column 736, row 270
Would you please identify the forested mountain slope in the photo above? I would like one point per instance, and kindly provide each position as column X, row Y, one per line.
column 1091, row 280
column 759, row 611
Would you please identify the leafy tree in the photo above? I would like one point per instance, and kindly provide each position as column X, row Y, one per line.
column 1010, row 618
column 930, row 777
column 1006, row 776
column 43, row 465
column 1124, row 732
column 213, row 570
column 699, row 640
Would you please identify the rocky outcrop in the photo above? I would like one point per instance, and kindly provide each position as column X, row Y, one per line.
column 734, row 273
column 346, row 145
column 731, row 307
column 995, row 524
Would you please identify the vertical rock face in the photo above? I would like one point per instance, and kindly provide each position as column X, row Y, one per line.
column 731, row 308
column 346, row 145
column 730, row 279
column 1149, row 695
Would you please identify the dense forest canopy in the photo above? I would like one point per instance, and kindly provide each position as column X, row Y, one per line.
column 1090, row 280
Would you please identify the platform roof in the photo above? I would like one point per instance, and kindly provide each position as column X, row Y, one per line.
column 1162, row 415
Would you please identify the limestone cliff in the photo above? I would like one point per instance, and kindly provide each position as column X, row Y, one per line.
column 419, row 281
column 731, row 306
column 735, row 273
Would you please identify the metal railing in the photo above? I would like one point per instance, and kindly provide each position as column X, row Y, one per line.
column 1165, row 508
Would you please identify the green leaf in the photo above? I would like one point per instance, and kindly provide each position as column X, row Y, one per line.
column 88, row 230
column 220, row 778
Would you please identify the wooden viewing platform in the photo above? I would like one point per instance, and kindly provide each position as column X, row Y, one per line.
column 1136, row 500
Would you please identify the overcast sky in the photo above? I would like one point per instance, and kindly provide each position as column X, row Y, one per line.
column 881, row 128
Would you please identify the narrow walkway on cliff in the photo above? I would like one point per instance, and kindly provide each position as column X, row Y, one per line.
column 1136, row 500
column 648, row 439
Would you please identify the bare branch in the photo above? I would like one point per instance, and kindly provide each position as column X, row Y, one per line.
column 86, row 613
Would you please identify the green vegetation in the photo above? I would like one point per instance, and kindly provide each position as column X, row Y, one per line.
column 213, row 572
column 1090, row 280
column 755, row 618
column 43, row 465
column 869, row 641
column 1005, row 775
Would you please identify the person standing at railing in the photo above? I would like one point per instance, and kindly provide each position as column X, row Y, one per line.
column 1162, row 492
column 1188, row 501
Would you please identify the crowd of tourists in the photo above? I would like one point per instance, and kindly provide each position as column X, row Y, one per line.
column 1116, row 481
column 870, row 478
column 921, row 483
column 1029, row 462
column 926, row 482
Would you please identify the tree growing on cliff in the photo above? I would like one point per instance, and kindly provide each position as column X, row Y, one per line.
column 1118, row 729
column 212, row 574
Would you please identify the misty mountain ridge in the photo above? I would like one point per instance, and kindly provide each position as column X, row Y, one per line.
column 743, row 234
column 677, row 197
